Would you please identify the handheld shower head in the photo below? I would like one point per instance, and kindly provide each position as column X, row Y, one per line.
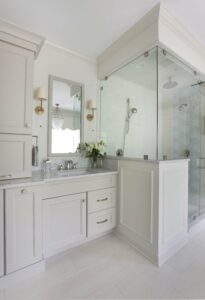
column 132, row 111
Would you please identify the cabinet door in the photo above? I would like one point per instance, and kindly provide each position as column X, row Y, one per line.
column 15, row 156
column 15, row 89
column 23, row 227
column 64, row 222
column 1, row 234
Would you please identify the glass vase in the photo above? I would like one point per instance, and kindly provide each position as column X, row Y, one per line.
column 94, row 163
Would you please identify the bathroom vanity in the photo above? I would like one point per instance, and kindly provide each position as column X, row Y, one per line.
column 145, row 202
column 45, row 216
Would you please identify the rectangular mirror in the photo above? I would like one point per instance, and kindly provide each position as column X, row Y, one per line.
column 65, row 116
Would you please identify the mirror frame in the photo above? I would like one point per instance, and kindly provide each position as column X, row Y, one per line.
column 49, row 127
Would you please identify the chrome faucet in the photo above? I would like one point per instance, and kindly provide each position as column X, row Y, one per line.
column 70, row 165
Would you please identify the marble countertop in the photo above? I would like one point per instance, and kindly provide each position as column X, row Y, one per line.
column 38, row 178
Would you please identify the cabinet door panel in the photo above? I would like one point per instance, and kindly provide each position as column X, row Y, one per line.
column 15, row 156
column 23, row 228
column 15, row 89
column 64, row 222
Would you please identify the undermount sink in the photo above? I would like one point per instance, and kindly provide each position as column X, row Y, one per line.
column 74, row 172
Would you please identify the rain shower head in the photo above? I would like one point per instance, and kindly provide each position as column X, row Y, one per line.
column 170, row 84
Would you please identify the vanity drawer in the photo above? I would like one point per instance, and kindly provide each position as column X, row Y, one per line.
column 99, row 222
column 101, row 199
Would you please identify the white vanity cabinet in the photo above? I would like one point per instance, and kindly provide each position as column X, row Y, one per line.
column 77, row 209
column 23, row 227
column 64, row 222
column 1, row 234
column 15, row 89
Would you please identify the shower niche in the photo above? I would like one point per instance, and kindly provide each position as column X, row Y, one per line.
column 152, row 108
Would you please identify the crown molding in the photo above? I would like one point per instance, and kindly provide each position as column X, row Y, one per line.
column 138, row 39
column 167, row 18
column 149, row 19
column 158, row 27
column 15, row 35
column 174, row 35
column 92, row 60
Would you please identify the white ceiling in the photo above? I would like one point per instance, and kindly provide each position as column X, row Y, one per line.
column 90, row 26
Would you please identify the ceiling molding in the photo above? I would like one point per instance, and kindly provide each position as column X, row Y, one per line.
column 157, row 27
column 144, row 23
column 92, row 60
column 13, row 34
column 138, row 39
column 174, row 35
column 167, row 18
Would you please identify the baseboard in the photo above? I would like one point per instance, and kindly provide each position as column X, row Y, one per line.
column 22, row 275
column 168, row 253
column 155, row 258
column 53, row 253
column 140, row 249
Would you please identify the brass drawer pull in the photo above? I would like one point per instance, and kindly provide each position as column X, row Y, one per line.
column 104, row 199
column 103, row 221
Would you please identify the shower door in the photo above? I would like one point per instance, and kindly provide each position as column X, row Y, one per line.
column 201, row 163
column 180, row 124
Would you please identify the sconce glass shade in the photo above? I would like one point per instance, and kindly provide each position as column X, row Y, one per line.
column 57, row 119
column 41, row 94
column 91, row 104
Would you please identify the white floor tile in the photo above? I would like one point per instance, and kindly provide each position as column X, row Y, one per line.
column 109, row 268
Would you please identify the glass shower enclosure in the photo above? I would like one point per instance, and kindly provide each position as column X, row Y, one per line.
column 152, row 108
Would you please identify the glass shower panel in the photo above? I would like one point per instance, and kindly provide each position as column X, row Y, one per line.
column 179, row 119
column 202, row 159
column 129, row 108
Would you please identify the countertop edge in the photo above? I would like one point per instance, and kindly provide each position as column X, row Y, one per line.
column 42, row 181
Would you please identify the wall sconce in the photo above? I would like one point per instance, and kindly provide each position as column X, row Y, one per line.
column 40, row 95
column 91, row 105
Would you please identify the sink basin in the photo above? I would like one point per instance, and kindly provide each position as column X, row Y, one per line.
column 76, row 172
column 67, row 173
column 70, row 173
